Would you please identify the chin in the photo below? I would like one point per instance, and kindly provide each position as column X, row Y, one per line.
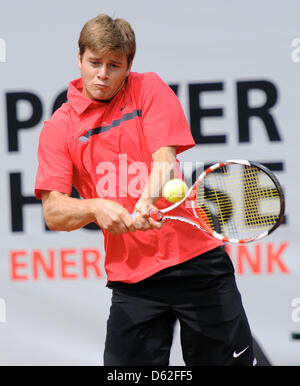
column 99, row 96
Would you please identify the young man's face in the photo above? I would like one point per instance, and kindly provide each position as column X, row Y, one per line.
column 103, row 75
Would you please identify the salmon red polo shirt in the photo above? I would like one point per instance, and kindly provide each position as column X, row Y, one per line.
column 105, row 150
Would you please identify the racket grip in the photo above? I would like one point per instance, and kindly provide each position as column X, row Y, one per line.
column 156, row 215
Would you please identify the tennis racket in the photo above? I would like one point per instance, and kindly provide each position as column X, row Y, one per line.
column 236, row 201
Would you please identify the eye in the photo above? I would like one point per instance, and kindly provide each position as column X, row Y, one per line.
column 94, row 63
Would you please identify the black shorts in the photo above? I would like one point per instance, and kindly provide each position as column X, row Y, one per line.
column 202, row 294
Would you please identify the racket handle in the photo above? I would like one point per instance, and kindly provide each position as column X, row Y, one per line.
column 154, row 214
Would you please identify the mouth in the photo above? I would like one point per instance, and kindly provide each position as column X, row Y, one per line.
column 101, row 86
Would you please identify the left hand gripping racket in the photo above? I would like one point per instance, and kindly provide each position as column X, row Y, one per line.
column 236, row 201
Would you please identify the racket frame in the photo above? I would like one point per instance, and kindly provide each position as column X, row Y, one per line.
column 191, row 195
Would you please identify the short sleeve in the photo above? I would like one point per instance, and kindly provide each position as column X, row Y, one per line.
column 164, row 121
column 55, row 167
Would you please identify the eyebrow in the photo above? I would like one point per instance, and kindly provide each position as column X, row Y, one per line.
column 96, row 58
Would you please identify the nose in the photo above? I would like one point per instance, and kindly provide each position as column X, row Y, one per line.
column 103, row 72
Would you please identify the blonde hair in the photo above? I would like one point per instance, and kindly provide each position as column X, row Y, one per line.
column 104, row 34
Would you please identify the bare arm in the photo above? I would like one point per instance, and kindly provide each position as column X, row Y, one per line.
column 164, row 169
column 64, row 213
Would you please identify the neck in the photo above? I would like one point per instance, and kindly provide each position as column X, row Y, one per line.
column 84, row 92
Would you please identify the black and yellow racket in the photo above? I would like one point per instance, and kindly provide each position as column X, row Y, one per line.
column 236, row 201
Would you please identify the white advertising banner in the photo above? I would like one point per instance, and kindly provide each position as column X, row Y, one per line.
column 235, row 66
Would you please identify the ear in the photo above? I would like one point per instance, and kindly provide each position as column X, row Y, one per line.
column 129, row 69
column 79, row 60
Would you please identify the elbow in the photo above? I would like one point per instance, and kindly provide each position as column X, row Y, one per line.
column 53, row 212
column 51, row 224
column 51, row 220
column 55, row 226
column 57, row 223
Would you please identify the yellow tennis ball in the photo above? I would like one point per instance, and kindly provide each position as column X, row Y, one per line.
column 174, row 190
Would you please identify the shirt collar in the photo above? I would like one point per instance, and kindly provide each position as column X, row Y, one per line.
column 78, row 101
column 75, row 97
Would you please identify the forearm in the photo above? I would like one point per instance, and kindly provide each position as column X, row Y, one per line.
column 163, row 169
column 64, row 213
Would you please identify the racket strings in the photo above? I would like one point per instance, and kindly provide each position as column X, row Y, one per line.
column 238, row 199
column 254, row 194
column 229, row 212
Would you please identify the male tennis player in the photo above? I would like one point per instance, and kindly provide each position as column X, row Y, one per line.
column 116, row 141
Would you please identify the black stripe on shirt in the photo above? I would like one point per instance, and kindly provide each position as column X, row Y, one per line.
column 115, row 123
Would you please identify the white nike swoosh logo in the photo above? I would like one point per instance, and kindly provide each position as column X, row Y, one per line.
column 237, row 354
